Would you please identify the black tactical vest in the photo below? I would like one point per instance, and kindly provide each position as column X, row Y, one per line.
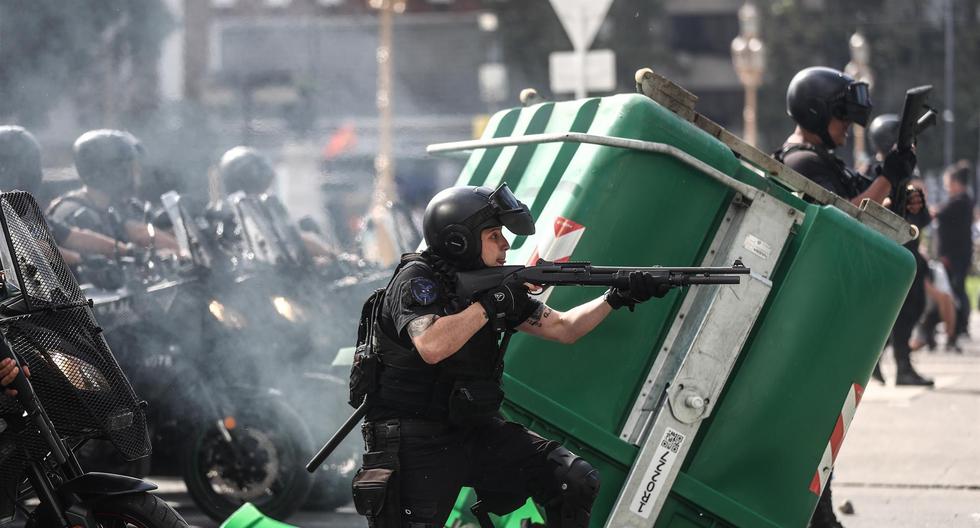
column 463, row 388
column 853, row 182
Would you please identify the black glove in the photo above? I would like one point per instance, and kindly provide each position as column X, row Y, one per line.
column 898, row 167
column 509, row 301
column 642, row 286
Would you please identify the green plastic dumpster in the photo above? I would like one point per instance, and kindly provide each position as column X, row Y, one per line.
column 716, row 406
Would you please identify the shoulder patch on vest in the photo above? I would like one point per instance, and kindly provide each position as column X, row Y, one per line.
column 424, row 290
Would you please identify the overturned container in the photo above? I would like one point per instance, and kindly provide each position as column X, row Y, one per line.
column 717, row 406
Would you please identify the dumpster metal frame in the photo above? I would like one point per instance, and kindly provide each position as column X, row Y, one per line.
column 698, row 355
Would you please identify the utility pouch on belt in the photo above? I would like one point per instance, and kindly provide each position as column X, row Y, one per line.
column 474, row 401
column 371, row 494
column 375, row 487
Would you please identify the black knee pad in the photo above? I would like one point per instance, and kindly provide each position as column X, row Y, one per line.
column 579, row 483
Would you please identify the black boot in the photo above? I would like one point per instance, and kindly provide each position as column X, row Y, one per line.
column 876, row 373
column 909, row 376
column 906, row 375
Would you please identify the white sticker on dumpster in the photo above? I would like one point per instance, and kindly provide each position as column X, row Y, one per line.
column 757, row 246
column 652, row 485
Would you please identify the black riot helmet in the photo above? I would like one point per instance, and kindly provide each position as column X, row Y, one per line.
column 883, row 132
column 455, row 217
column 245, row 169
column 108, row 160
column 20, row 160
column 817, row 94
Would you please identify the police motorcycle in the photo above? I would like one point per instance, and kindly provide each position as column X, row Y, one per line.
column 232, row 440
column 76, row 392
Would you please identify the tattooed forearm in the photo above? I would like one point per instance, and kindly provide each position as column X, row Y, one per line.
column 421, row 324
column 541, row 313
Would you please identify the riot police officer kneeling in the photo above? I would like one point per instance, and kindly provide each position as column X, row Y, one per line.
column 433, row 423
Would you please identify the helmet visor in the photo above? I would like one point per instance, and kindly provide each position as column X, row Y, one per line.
column 511, row 212
column 857, row 104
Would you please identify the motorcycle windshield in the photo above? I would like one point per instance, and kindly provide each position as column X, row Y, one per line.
column 32, row 264
column 261, row 242
column 73, row 372
column 191, row 243
column 286, row 232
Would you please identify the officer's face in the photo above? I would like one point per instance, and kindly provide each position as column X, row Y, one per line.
column 838, row 129
column 495, row 247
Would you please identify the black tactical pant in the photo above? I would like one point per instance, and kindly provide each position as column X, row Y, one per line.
column 503, row 461
column 908, row 316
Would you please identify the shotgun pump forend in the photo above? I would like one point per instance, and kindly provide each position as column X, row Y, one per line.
column 544, row 273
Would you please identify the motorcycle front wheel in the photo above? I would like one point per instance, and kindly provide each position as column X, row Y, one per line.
column 138, row 510
column 259, row 459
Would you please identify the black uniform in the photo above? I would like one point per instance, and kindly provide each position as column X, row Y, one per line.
column 823, row 167
column 59, row 231
column 915, row 301
column 439, row 427
column 956, row 249
column 75, row 210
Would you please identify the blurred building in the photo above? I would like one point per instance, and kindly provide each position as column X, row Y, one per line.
column 701, row 35
column 302, row 74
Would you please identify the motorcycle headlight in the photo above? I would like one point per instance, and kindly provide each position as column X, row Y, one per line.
column 83, row 376
column 288, row 310
column 226, row 316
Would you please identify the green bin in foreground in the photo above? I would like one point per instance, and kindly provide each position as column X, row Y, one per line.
column 717, row 406
column 248, row 516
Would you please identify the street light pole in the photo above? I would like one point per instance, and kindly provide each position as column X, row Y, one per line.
column 949, row 82
column 383, row 163
column 384, row 250
column 749, row 60
column 860, row 69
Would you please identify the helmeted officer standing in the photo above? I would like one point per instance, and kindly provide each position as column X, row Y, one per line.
column 434, row 417
column 824, row 102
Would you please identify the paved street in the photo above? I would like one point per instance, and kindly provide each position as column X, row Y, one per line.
column 912, row 456
column 910, row 459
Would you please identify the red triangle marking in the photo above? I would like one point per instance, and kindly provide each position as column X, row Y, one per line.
column 815, row 484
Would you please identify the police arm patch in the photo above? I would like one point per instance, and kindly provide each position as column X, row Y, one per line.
column 424, row 290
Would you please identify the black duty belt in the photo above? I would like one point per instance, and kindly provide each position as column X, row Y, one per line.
column 409, row 427
column 387, row 434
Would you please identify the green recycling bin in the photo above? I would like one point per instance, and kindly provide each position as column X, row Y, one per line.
column 717, row 405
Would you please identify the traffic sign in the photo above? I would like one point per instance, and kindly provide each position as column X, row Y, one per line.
column 567, row 74
column 581, row 19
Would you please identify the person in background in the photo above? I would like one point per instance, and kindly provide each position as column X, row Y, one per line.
column 955, row 219
column 20, row 169
column 245, row 169
column 108, row 163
